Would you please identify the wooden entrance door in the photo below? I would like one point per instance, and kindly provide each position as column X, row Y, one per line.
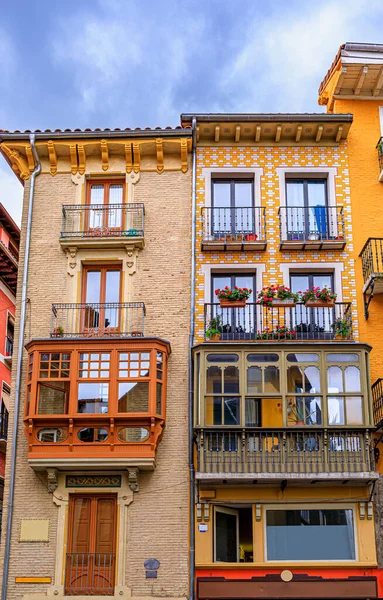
column 91, row 557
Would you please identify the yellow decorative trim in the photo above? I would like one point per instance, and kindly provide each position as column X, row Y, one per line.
column 33, row 579
column 104, row 155
column 81, row 159
column 19, row 164
column 184, row 156
column 160, row 155
column 136, row 157
column 52, row 157
column 30, row 157
column 73, row 158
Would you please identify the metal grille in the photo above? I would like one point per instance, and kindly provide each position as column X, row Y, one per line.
column 372, row 257
column 111, row 319
column 103, row 220
column 311, row 223
column 377, row 402
column 90, row 574
column 248, row 222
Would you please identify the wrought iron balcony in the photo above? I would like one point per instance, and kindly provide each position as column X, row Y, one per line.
column 312, row 228
column 233, row 229
column 107, row 224
column 304, row 453
column 3, row 423
column 90, row 574
column 377, row 402
column 372, row 267
column 112, row 319
column 254, row 322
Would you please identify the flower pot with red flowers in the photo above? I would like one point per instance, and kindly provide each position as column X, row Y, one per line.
column 251, row 237
column 280, row 333
column 277, row 296
column 232, row 297
column 317, row 297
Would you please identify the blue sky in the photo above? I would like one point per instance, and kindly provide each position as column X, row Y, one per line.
column 139, row 63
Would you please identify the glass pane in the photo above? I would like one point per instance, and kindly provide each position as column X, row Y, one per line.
column 335, row 409
column 133, row 434
column 115, row 193
column 294, row 380
column 97, row 194
column 53, row 399
column 354, row 410
column 262, row 358
column 271, row 375
column 352, row 379
column 226, row 546
column 334, row 380
column 343, row 357
column 243, row 202
column 310, row 534
column 159, row 398
column 219, row 281
column 221, row 221
column 133, row 397
column 299, row 283
column 301, row 357
column 213, row 408
column 53, row 435
column 253, row 412
column 246, row 281
column 93, row 397
column 295, row 209
column 214, row 380
column 323, row 280
column 231, row 380
column 303, row 410
column 112, row 292
column 312, row 380
column 93, row 287
column 222, row 358
column 254, row 380
column 231, row 415
column 90, row 434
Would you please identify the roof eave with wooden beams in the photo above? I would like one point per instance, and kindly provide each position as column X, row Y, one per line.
column 270, row 130
column 63, row 154
column 355, row 74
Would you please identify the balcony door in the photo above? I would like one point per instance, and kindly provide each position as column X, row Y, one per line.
column 233, row 207
column 104, row 207
column 236, row 323
column 309, row 322
column 306, row 208
column 101, row 298
column 91, row 557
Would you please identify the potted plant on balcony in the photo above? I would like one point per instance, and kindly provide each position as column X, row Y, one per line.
column 342, row 329
column 298, row 413
column 251, row 237
column 58, row 331
column 278, row 296
column 315, row 296
column 235, row 297
column 279, row 333
column 214, row 330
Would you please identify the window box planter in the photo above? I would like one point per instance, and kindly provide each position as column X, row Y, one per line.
column 232, row 303
column 282, row 303
column 321, row 303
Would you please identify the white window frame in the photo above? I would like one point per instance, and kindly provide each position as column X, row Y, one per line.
column 230, row 172
column 328, row 173
column 336, row 268
column 227, row 511
column 210, row 269
column 323, row 506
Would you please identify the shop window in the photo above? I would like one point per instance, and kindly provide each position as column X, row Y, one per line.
column 310, row 534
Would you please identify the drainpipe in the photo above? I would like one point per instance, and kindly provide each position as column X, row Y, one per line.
column 20, row 348
column 191, row 342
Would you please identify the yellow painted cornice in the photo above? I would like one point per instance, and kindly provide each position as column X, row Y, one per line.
column 76, row 153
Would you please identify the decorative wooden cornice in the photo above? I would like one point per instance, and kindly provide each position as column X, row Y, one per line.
column 71, row 156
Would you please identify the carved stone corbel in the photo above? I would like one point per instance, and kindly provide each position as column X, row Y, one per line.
column 71, row 254
column 133, row 482
column 52, row 480
column 131, row 261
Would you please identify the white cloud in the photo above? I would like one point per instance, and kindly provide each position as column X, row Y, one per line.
column 11, row 192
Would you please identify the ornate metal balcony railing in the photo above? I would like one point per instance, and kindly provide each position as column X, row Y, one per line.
column 254, row 322
column 90, row 574
column 316, row 226
column 3, row 423
column 377, row 402
column 372, row 258
column 379, row 147
column 112, row 319
column 283, row 451
column 103, row 220
column 8, row 346
column 234, row 228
